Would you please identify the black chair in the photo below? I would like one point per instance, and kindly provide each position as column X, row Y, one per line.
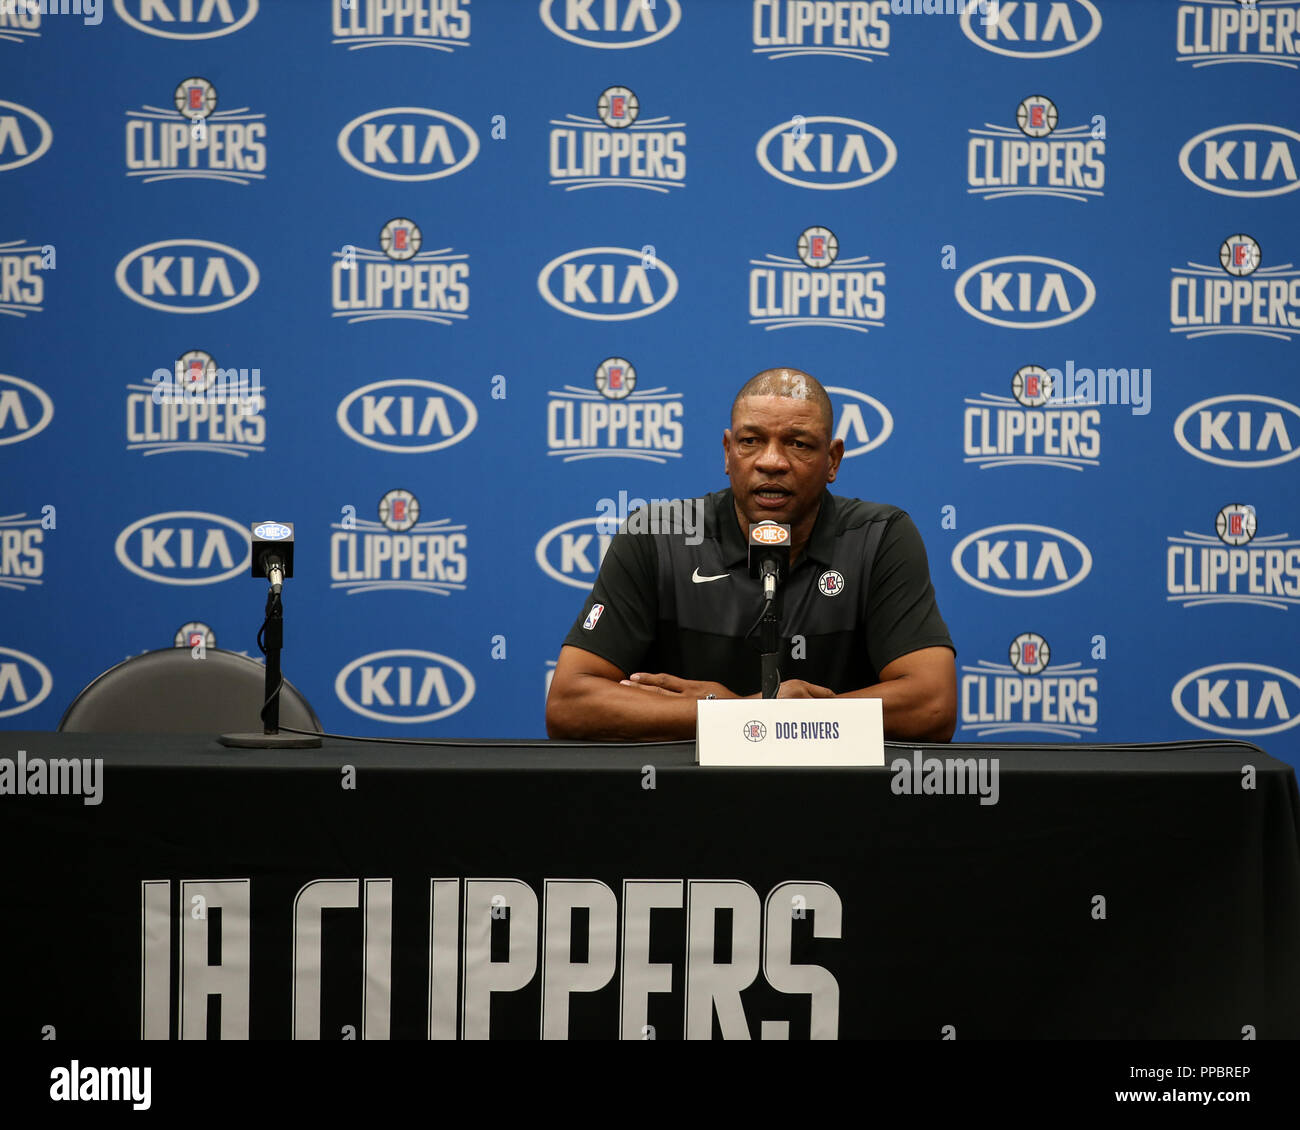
column 170, row 692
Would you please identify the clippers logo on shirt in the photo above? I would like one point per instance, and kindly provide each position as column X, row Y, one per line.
column 831, row 583
column 593, row 616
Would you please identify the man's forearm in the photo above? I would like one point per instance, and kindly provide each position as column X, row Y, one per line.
column 601, row 709
column 913, row 710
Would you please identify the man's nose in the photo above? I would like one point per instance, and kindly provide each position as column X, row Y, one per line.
column 772, row 457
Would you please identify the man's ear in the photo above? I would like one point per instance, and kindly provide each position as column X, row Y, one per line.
column 836, row 454
column 726, row 451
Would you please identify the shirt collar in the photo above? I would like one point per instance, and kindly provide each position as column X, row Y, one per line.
column 735, row 547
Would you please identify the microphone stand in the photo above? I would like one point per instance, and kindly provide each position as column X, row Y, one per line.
column 769, row 640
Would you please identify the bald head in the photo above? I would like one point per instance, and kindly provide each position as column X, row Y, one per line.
column 792, row 383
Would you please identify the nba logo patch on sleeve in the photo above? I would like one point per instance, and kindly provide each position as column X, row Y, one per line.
column 593, row 616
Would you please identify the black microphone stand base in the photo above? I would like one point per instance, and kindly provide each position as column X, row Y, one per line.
column 269, row 741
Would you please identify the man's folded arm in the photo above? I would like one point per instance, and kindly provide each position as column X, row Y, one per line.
column 918, row 696
column 587, row 702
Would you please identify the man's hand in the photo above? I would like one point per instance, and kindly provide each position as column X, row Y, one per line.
column 798, row 688
column 672, row 685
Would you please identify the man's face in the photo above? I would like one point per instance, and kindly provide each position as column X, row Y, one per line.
column 779, row 456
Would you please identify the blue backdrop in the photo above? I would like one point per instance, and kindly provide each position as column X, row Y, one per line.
column 472, row 277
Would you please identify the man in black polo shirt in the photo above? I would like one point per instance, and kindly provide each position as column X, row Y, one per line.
column 672, row 618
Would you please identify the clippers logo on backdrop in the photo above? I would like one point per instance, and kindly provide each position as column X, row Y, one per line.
column 826, row 152
column 1021, row 560
column 25, row 682
column 861, row 421
column 1035, row 158
column 25, row 409
column 1246, row 700
column 406, row 416
column 1208, row 32
column 187, row 19
column 1029, row 428
column 608, row 284
column 618, row 148
column 399, row 551
column 1024, row 696
column 404, row 686
column 1032, row 29
column 194, row 140
column 1239, row 296
column 187, row 276
column 185, row 547
column 616, row 420
column 1025, row 292
column 22, row 284
column 439, row 25
column 611, row 24
column 22, row 560
column 842, row 29
column 25, row 136
column 816, row 288
column 400, row 279
column 1240, row 430
column 1233, row 565
column 1243, row 160
column 571, row 553
column 196, row 413
column 408, row 143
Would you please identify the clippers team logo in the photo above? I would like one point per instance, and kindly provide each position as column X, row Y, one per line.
column 614, row 421
column 25, row 136
column 408, row 143
column 1252, row 299
column 187, row 276
column 1029, row 428
column 399, row 551
column 817, row 288
column 25, row 409
column 1024, row 696
column 826, row 152
column 187, row 19
column 617, row 148
column 400, row 280
column 1025, row 292
column 1242, row 700
column 22, row 560
column 442, row 26
column 409, row 417
column 195, row 412
column 608, row 284
column 1240, row 430
column 754, row 731
column 571, row 552
column 1209, row 32
column 861, row 421
column 593, row 617
column 1251, row 160
column 195, row 634
column 830, row 583
column 1032, row 29
column 25, row 682
column 194, row 140
column 22, row 283
column 1035, row 158
column 185, row 547
column 1233, row 566
column 841, row 29
column 404, row 686
column 611, row 24
column 1021, row 560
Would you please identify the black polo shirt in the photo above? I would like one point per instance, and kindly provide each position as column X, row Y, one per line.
column 859, row 596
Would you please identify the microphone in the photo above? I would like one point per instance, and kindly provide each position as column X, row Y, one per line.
column 769, row 554
column 272, row 555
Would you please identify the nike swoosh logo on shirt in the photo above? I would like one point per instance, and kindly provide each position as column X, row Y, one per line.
column 701, row 580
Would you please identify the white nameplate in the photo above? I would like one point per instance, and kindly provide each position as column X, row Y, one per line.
column 789, row 731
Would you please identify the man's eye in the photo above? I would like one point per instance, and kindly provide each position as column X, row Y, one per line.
column 799, row 443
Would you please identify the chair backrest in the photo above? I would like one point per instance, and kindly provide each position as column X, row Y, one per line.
column 170, row 692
